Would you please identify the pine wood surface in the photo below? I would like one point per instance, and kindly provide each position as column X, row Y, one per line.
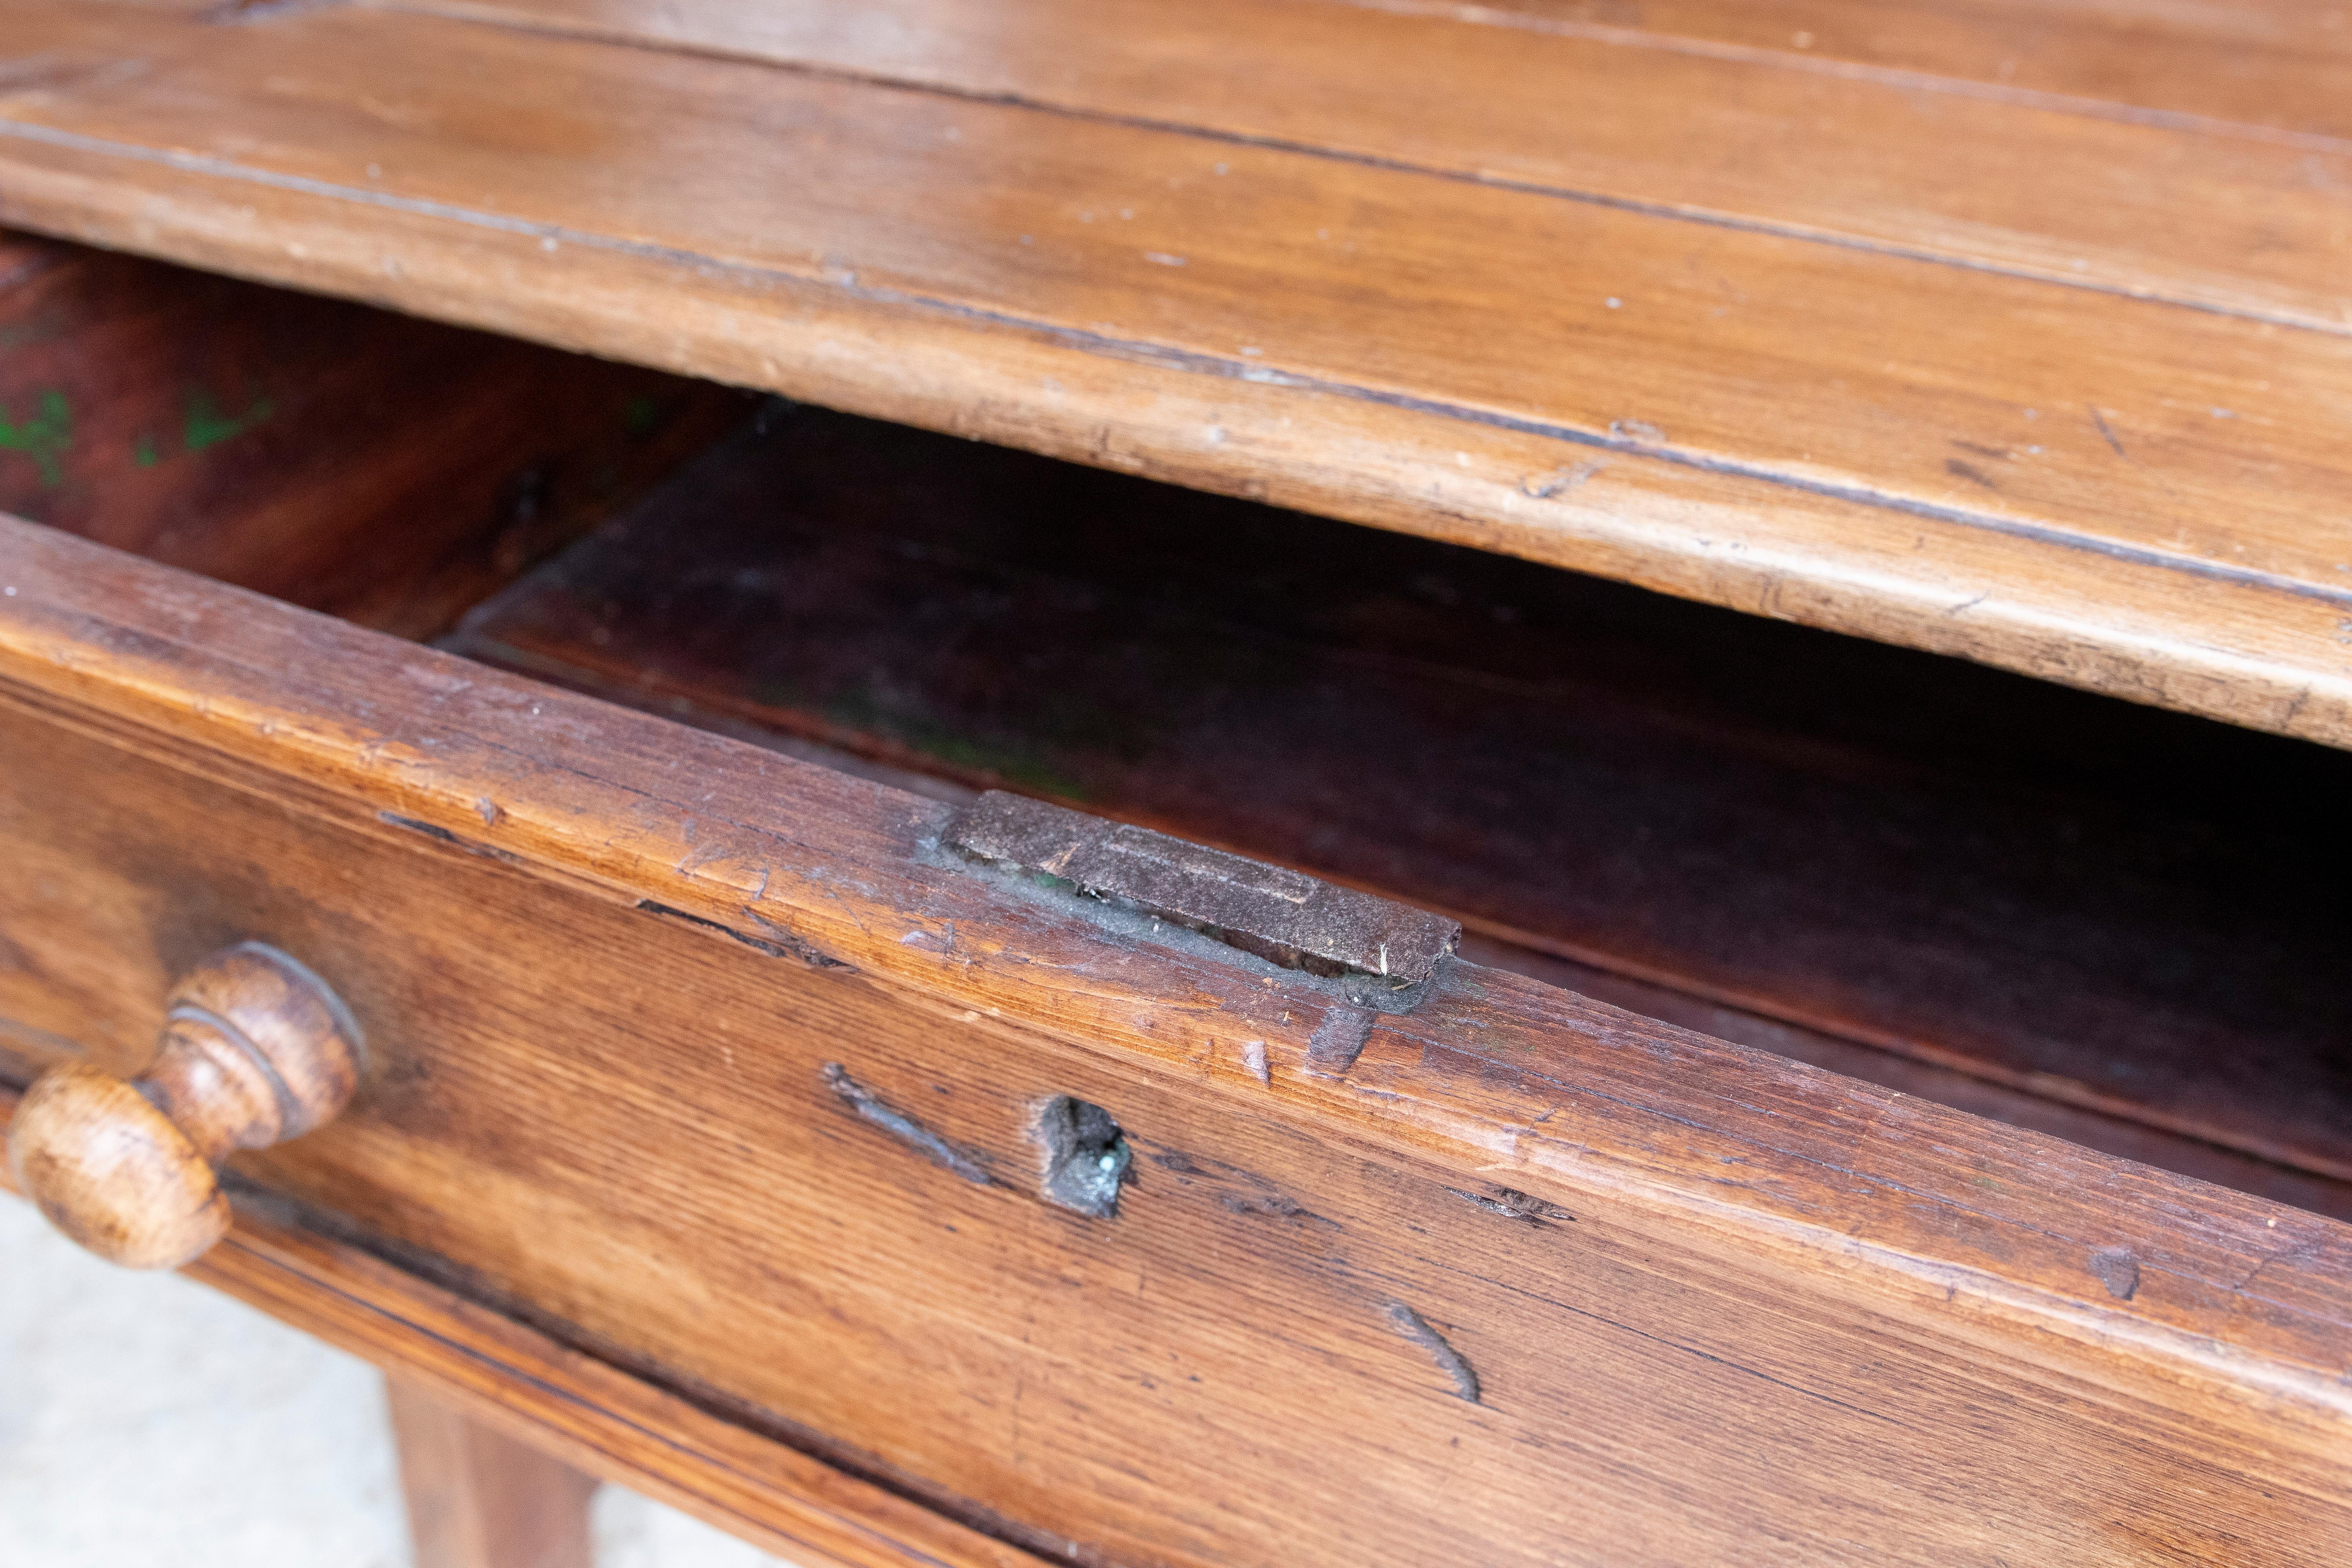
column 567, row 1405
column 2109, row 1131
column 2278, row 66
column 1533, row 1277
column 2131, row 910
column 1775, row 137
column 1839, row 291
column 479, row 1498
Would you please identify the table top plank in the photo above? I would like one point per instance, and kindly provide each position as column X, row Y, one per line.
column 2080, row 191
column 2283, row 65
column 2138, row 495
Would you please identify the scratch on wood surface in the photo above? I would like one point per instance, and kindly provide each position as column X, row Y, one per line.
column 443, row 836
column 781, row 942
column 1254, row 1059
column 1559, row 482
column 792, row 942
column 2109, row 436
column 871, row 1106
column 1415, row 1326
column 231, row 13
column 1511, row 1204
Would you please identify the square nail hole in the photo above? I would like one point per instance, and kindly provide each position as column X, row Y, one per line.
column 1086, row 1157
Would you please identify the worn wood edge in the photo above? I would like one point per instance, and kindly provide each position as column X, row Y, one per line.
column 607, row 1423
column 2283, row 1380
column 957, row 990
column 1991, row 1309
column 2157, row 632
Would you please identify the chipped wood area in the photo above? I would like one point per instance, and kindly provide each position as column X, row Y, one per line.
column 1723, row 1296
column 1841, row 320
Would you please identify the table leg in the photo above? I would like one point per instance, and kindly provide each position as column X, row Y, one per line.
column 478, row 1499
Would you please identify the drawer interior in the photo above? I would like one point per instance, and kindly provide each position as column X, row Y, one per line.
column 385, row 469
column 2116, row 924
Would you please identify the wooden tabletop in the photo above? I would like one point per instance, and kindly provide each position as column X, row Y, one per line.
column 2019, row 330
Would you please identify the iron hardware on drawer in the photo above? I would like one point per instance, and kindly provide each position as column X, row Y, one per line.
column 1283, row 916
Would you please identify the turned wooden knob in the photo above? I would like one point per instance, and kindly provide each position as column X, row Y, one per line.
column 255, row 1050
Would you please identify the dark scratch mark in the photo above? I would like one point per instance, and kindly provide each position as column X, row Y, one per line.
column 443, row 836
column 792, row 942
column 1415, row 1326
column 2097, row 419
column 1954, row 466
column 238, row 12
column 789, row 946
column 1981, row 450
column 1271, row 1206
column 870, row 1107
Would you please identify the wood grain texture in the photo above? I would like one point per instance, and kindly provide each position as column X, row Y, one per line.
column 1768, row 139
column 1828, row 433
column 2084, row 898
column 2121, row 1136
column 479, row 1498
column 388, row 469
column 510, row 1378
column 1713, row 1297
column 2279, row 65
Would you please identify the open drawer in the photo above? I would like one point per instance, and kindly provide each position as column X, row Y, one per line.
column 1090, row 1188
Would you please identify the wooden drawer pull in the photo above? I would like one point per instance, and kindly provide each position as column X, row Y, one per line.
column 255, row 1050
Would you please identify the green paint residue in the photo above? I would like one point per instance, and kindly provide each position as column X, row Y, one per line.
column 142, row 451
column 208, row 427
column 44, row 437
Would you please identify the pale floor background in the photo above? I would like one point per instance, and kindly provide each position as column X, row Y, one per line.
column 145, row 1419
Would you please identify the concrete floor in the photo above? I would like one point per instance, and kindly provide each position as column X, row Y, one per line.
column 145, row 1419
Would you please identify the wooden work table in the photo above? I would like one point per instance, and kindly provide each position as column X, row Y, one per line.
column 970, row 1003
column 2021, row 331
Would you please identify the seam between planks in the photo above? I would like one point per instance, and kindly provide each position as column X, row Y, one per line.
column 1670, row 212
column 1764, row 56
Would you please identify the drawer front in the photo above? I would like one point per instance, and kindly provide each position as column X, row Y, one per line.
column 724, row 1068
